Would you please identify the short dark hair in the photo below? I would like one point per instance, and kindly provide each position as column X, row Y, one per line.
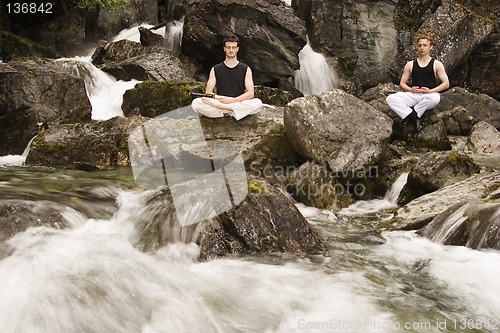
column 231, row 39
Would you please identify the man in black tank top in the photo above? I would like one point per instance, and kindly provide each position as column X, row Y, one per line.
column 235, row 90
column 419, row 84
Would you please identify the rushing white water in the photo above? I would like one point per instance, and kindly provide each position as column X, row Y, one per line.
column 371, row 206
column 99, row 275
column 173, row 36
column 105, row 92
column 90, row 278
column 134, row 35
column 314, row 75
column 469, row 276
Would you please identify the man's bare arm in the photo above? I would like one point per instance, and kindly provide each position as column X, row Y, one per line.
column 442, row 76
column 211, row 82
column 405, row 78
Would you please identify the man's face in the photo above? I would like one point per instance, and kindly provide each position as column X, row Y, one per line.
column 424, row 46
column 231, row 48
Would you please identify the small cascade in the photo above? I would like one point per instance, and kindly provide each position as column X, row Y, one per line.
column 393, row 194
column 475, row 225
column 134, row 35
column 173, row 36
column 315, row 75
column 441, row 231
column 16, row 159
column 104, row 92
column 373, row 206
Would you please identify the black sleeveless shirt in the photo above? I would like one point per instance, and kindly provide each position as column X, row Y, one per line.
column 230, row 81
column 423, row 76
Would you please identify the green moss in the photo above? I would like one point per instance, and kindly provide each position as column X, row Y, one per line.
column 455, row 158
column 103, row 4
column 255, row 187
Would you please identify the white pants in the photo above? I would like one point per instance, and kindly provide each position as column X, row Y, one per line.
column 402, row 101
column 240, row 109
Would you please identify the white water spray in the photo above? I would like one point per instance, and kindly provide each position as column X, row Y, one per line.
column 173, row 36
column 315, row 75
column 134, row 35
column 105, row 92
column 14, row 160
column 372, row 206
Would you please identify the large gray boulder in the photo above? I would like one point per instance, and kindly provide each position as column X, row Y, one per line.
column 154, row 98
column 18, row 215
column 177, row 137
column 34, row 93
column 338, row 130
column 314, row 185
column 265, row 222
column 484, row 140
column 268, row 30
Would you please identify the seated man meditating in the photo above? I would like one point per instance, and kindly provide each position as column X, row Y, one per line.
column 235, row 91
column 423, row 92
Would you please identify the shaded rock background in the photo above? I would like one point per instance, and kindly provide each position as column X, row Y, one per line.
column 34, row 93
column 364, row 40
column 268, row 30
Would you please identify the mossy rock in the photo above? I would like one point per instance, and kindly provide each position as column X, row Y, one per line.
column 154, row 98
column 17, row 46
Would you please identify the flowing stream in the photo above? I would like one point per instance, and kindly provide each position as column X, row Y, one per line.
column 98, row 274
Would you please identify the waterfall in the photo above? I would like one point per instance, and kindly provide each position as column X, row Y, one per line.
column 105, row 92
column 472, row 224
column 392, row 195
column 173, row 36
column 444, row 230
column 372, row 206
column 16, row 159
column 134, row 35
column 314, row 75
